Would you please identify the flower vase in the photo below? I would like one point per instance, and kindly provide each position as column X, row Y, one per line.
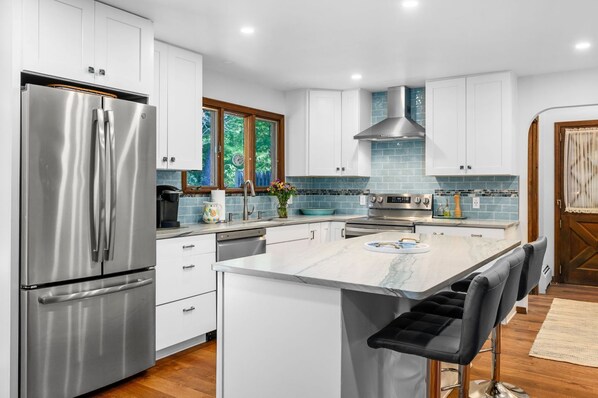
column 282, row 210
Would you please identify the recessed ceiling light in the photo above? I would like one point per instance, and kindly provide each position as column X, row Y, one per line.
column 583, row 45
column 410, row 3
column 248, row 30
column 356, row 76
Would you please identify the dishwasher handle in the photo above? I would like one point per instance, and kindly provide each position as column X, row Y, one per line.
column 242, row 234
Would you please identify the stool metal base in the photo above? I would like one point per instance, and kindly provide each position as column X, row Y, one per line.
column 490, row 389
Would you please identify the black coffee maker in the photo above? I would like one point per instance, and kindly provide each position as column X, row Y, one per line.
column 167, row 206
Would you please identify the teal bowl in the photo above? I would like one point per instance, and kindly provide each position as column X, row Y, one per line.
column 317, row 212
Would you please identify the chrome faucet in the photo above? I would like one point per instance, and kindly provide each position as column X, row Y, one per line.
column 247, row 213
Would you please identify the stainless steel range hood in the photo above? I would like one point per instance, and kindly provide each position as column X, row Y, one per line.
column 398, row 124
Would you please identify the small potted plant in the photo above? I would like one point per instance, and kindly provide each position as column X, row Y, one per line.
column 283, row 191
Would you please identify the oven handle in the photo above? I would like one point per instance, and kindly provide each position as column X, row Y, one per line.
column 354, row 231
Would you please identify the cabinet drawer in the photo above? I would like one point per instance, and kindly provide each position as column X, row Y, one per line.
column 184, row 319
column 287, row 233
column 167, row 249
column 181, row 277
column 497, row 233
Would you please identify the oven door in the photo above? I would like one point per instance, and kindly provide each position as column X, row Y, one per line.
column 355, row 230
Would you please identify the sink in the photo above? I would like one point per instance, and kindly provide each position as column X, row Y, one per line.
column 259, row 222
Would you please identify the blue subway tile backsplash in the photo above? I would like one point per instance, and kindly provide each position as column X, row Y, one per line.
column 397, row 166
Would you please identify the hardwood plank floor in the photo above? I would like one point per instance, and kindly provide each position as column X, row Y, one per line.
column 192, row 373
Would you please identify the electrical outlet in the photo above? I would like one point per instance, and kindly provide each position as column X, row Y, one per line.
column 290, row 201
column 363, row 199
column 475, row 203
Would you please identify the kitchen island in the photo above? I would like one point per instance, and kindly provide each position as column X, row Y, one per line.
column 296, row 325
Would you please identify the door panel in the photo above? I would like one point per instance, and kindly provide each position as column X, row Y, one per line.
column 58, row 140
column 324, row 133
column 134, row 230
column 58, row 38
column 73, row 345
column 576, row 234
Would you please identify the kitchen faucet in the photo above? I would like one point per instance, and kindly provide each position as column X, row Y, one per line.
column 247, row 213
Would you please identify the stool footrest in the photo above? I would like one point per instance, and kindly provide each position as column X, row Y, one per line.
column 490, row 389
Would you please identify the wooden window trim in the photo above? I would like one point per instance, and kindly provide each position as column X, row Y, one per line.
column 250, row 115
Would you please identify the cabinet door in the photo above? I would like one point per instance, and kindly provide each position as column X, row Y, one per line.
column 58, row 38
column 124, row 47
column 337, row 231
column 158, row 98
column 184, row 109
column 489, row 124
column 445, row 127
column 324, row 147
column 356, row 117
column 315, row 234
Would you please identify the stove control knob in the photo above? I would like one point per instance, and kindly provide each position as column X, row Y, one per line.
column 426, row 201
column 373, row 198
column 380, row 199
column 417, row 200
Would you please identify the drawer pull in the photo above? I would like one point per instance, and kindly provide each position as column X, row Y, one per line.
column 189, row 266
column 437, row 233
column 189, row 309
column 188, row 246
column 476, row 235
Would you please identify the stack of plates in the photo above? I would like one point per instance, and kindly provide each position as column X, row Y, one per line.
column 317, row 212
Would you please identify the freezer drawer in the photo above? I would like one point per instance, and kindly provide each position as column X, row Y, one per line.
column 79, row 337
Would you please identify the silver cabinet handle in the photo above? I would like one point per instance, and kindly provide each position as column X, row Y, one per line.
column 111, row 146
column 468, row 167
column 50, row 299
column 165, row 158
column 172, row 159
column 188, row 246
column 476, row 235
column 342, row 168
column 102, row 72
column 192, row 308
column 338, row 169
column 91, row 69
column 461, row 167
column 342, row 233
column 313, row 235
column 189, row 266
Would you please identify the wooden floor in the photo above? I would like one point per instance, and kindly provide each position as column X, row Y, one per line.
column 192, row 373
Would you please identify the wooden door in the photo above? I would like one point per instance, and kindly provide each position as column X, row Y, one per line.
column 576, row 233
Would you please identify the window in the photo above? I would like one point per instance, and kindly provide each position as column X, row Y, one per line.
column 238, row 143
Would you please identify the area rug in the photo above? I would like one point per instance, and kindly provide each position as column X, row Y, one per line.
column 569, row 333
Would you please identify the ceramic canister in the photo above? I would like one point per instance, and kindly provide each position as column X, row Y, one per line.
column 212, row 212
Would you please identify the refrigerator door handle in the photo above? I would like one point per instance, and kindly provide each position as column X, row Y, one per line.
column 111, row 147
column 97, row 209
column 50, row 299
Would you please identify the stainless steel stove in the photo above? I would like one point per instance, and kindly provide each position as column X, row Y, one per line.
column 391, row 212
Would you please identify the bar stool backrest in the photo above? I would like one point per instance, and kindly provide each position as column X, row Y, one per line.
column 532, row 268
column 516, row 260
column 480, row 309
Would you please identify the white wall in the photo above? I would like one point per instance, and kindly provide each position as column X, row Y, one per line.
column 231, row 89
column 9, row 158
column 537, row 94
column 546, row 168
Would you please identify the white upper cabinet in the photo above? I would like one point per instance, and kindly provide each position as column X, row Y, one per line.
column 58, row 38
column 124, row 45
column 469, row 125
column 89, row 42
column 178, row 94
column 320, row 129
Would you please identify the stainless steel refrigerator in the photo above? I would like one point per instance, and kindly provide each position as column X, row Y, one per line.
column 88, row 243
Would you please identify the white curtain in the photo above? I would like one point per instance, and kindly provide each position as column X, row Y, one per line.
column 581, row 170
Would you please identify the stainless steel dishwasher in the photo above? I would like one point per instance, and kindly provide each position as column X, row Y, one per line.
column 237, row 244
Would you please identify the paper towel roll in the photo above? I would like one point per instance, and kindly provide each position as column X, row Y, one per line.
column 218, row 197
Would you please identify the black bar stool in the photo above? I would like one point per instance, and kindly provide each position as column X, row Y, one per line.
column 530, row 276
column 445, row 338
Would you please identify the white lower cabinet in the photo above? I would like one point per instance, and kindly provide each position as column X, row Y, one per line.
column 298, row 237
column 185, row 319
column 185, row 291
column 337, row 231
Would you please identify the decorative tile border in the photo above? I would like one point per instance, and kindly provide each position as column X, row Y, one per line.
column 503, row 193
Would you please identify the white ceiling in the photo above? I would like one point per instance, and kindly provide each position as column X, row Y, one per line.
column 320, row 43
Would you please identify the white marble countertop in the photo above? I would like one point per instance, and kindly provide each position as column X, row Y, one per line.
column 201, row 228
column 347, row 265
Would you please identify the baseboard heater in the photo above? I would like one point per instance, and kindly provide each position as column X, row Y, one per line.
column 545, row 279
